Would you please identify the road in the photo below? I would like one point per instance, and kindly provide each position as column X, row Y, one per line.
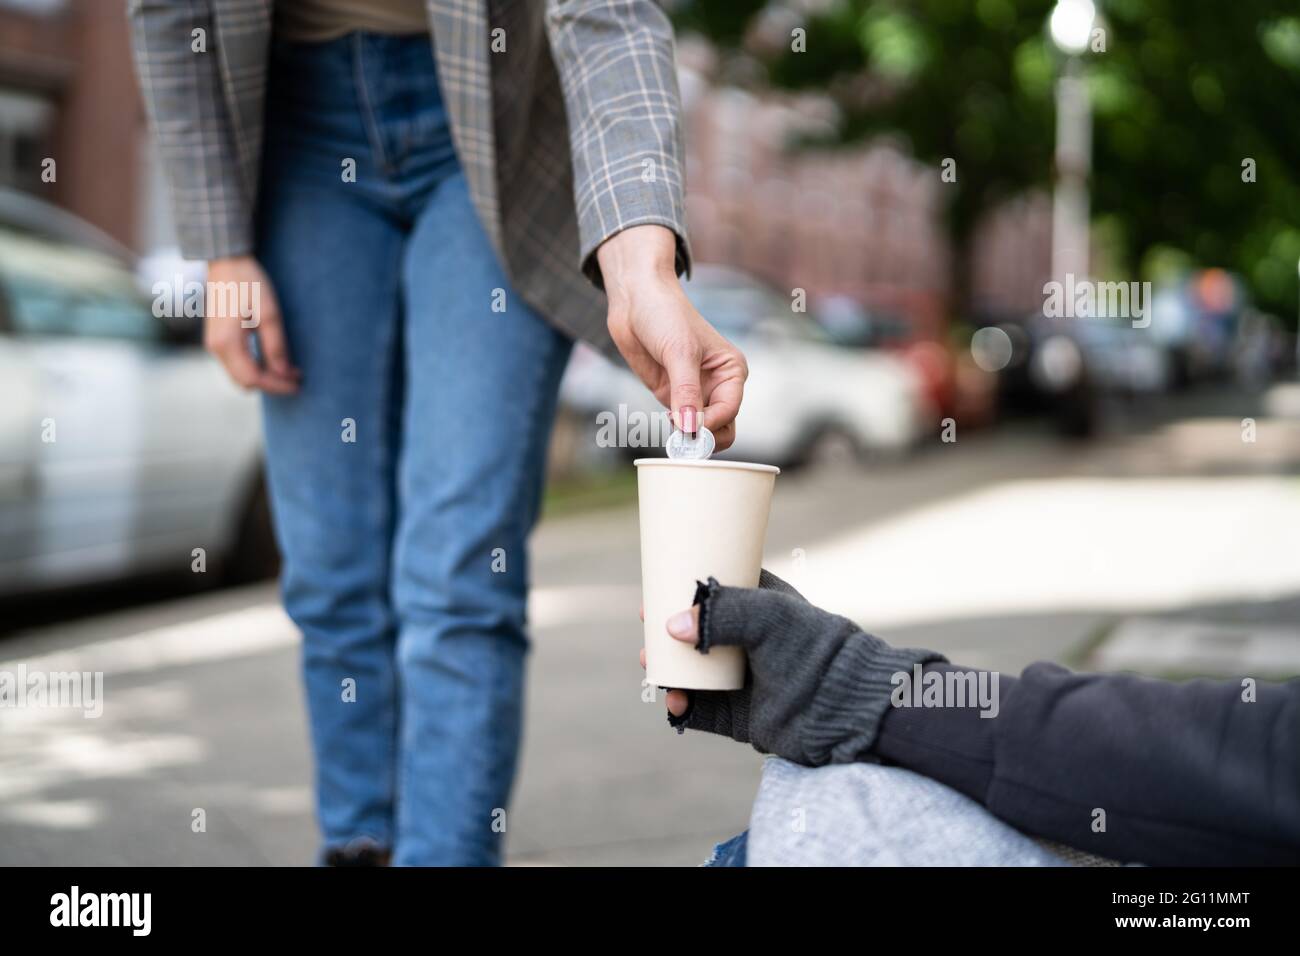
column 1164, row 544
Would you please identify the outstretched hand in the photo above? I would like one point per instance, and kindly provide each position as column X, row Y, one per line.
column 691, row 369
column 816, row 685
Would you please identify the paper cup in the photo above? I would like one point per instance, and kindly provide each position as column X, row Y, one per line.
column 698, row 519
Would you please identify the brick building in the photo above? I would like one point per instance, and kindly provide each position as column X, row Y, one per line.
column 864, row 221
column 67, row 93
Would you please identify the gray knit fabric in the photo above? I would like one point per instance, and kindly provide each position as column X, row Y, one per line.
column 817, row 686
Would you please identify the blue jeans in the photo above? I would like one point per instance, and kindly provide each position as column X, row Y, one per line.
column 405, row 476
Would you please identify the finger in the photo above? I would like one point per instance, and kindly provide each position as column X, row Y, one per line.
column 244, row 371
column 643, row 658
column 274, row 346
column 236, row 360
column 678, row 702
column 724, row 437
column 684, row 625
column 650, row 373
column 724, row 403
column 642, row 612
column 682, row 363
column 640, row 361
column 274, row 384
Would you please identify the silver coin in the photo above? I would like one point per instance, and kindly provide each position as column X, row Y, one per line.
column 682, row 446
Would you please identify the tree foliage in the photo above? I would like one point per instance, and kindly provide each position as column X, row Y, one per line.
column 1190, row 98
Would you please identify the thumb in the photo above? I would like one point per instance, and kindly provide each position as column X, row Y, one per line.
column 682, row 363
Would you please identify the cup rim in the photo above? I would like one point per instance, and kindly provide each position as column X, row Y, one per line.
column 709, row 463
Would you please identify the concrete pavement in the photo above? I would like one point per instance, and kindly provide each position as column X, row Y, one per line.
column 203, row 708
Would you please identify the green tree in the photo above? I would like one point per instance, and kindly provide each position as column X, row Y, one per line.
column 1184, row 93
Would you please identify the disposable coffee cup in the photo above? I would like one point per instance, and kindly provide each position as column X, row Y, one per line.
column 699, row 519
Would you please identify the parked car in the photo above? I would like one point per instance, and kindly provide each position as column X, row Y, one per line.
column 1068, row 368
column 805, row 396
column 1206, row 323
column 123, row 447
column 954, row 384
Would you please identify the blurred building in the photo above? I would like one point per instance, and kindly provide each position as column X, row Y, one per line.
column 1011, row 257
column 861, row 222
column 68, row 94
column 866, row 221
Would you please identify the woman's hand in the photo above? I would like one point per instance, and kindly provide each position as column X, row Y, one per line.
column 680, row 357
column 240, row 300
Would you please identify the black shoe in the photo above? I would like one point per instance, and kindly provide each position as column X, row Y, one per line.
column 362, row 851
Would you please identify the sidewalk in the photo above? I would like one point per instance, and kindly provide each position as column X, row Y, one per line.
column 1002, row 554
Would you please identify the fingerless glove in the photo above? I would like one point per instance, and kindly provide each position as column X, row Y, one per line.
column 817, row 686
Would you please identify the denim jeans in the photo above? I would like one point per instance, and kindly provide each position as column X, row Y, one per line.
column 405, row 475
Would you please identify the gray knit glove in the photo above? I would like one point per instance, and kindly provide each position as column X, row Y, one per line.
column 817, row 685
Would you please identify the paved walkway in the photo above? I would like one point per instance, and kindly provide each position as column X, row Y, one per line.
column 1000, row 551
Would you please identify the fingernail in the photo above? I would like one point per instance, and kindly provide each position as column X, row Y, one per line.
column 681, row 624
column 688, row 416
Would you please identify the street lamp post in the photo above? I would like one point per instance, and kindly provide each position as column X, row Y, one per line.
column 1070, row 27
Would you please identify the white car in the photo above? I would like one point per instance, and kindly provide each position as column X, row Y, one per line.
column 123, row 447
column 805, row 395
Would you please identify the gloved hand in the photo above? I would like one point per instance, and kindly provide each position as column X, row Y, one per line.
column 816, row 687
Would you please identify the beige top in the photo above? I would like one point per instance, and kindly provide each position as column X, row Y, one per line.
column 314, row 21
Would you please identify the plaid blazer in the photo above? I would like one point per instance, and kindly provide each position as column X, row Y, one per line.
column 565, row 115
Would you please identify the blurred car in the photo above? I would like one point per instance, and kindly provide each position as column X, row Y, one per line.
column 123, row 446
column 850, row 323
column 806, row 396
column 1212, row 333
column 955, row 385
column 1067, row 368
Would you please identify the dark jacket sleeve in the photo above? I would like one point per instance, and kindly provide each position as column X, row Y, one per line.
column 1141, row 770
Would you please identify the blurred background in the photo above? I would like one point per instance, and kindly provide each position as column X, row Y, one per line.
column 888, row 202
